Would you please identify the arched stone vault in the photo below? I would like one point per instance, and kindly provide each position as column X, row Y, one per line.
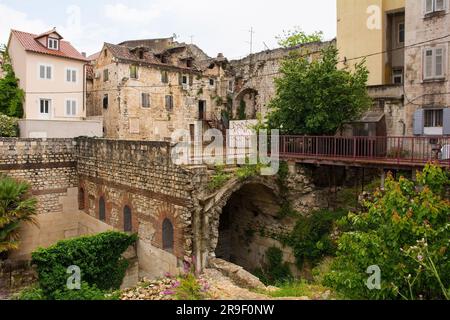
column 213, row 205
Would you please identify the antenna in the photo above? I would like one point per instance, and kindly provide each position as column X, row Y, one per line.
column 192, row 38
column 251, row 39
column 265, row 45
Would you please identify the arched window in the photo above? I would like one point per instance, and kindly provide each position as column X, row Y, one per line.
column 127, row 223
column 102, row 209
column 167, row 235
column 81, row 199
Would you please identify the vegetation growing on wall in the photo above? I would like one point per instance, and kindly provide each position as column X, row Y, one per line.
column 11, row 96
column 405, row 231
column 274, row 271
column 242, row 115
column 8, row 126
column 99, row 258
column 295, row 37
column 16, row 206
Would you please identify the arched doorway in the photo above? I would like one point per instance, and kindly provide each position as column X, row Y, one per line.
column 167, row 236
column 248, row 214
column 127, row 219
column 246, row 105
column 102, row 209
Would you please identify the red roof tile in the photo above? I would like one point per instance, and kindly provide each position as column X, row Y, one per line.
column 29, row 43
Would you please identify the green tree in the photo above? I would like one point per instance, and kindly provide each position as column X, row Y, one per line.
column 11, row 95
column 295, row 37
column 317, row 97
column 16, row 206
column 405, row 231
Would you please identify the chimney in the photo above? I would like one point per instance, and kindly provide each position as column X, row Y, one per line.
column 83, row 54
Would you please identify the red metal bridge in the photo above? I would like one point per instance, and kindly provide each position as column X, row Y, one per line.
column 385, row 151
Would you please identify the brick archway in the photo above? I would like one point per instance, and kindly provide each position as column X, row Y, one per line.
column 167, row 212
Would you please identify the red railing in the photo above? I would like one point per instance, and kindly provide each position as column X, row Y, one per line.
column 390, row 150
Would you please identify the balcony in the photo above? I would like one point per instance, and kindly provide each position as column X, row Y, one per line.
column 365, row 151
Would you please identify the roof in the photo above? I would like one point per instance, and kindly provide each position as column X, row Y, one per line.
column 126, row 53
column 48, row 33
column 30, row 43
column 94, row 56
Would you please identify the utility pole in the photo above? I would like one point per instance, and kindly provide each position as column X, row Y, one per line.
column 251, row 39
column 192, row 39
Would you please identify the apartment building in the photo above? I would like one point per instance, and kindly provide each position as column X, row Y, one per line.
column 148, row 89
column 52, row 74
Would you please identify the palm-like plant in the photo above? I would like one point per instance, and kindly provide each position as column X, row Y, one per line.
column 16, row 206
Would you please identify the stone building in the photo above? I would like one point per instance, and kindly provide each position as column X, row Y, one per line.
column 147, row 89
column 427, row 86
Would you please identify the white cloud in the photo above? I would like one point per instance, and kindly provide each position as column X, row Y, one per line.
column 13, row 19
column 122, row 13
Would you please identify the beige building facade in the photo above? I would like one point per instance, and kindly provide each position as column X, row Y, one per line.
column 52, row 74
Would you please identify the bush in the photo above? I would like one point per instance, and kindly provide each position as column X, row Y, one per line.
column 98, row 257
column 8, row 126
column 405, row 230
column 31, row 293
column 219, row 179
column 275, row 271
column 311, row 237
column 86, row 292
column 190, row 288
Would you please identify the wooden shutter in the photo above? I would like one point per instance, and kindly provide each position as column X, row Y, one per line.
column 439, row 62
column 42, row 72
column 440, row 5
column 68, row 108
column 49, row 72
column 428, row 63
column 446, row 121
column 428, row 6
column 419, row 122
column 68, row 75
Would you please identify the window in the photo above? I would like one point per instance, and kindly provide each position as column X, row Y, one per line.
column 167, row 236
column 45, row 72
column 44, row 106
column 71, row 108
column 141, row 55
column 211, row 82
column 230, row 86
column 71, row 75
column 145, row 100
column 53, row 44
column 434, row 6
column 127, row 222
column 81, row 199
column 434, row 118
column 434, row 63
column 189, row 63
column 102, row 209
column 164, row 77
column 133, row 72
column 397, row 76
column 184, row 79
column 169, row 103
column 105, row 101
column 105, row 75
column 401, row 33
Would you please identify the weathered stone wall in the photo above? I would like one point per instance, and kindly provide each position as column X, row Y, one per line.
column 141, row 176
column 254, row 75
column 48, row 165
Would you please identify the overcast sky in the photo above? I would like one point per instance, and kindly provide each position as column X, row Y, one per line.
column 216, row 26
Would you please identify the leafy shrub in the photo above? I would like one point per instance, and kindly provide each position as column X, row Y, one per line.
column 31, row 293
column 219, row 179
column 310, row 238
column 86, row 292
column 275, row 271
column 98, row 257
column 8, row 126
column 11, row 95
column 190, row 288
column 388, row 233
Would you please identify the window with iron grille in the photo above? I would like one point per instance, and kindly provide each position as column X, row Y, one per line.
column 167, row 236
column 127, row 222
column 169, row 103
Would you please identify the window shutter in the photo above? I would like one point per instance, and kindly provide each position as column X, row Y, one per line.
column 439, row 62
column 74, row 107
column 428, row 6
column 42, row 72
column 49, row 72
column 418, row 122
column 74, row 76
column 440, row 5
column 428, row 64
column 180, row 79
column 446, row 121
column 68, row 76
column 68, row 107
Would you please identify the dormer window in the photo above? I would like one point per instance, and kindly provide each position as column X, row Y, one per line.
column 53, row 44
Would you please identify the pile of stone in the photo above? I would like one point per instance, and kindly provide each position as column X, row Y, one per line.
column 151, row 290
